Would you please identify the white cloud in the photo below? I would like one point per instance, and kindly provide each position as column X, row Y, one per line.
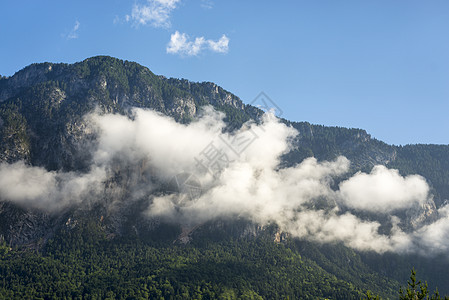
column 38, row 188
column 141, row 152
column 328, row 227
column 154, row 12
column 253, row 186
column 434, row 237
column 221, row 46
column 169, row 146
column 181, row 44
column 74, row 33
column 21, row 182
column 383, row 190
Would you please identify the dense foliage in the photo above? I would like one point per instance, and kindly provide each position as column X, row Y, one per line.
column 82, row 263
column 417, row 290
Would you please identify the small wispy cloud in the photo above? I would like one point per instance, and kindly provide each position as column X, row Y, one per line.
column 155, row 13
column 181, row 44
column 207, row 4
column 73, row 34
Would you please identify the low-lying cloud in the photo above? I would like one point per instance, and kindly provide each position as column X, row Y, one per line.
column 241, row 176
column 383, row 190
column 51, row 191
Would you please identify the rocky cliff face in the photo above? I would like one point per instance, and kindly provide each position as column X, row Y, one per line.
column 41, row 122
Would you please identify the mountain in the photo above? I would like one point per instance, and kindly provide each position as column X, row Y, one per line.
column 81, row 249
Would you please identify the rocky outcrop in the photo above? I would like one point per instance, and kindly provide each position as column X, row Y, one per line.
column 421, row 214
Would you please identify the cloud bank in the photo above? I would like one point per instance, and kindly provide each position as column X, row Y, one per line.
column 181, row 44
column 240, row 176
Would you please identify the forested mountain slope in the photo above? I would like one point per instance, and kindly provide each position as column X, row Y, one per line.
column 110, row 249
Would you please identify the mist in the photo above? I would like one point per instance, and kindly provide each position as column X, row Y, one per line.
column 35, row 187
column 239, row 176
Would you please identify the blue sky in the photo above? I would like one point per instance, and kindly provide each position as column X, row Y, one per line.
column 378, row 65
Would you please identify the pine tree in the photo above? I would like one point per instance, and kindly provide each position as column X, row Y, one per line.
column 417, row 290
